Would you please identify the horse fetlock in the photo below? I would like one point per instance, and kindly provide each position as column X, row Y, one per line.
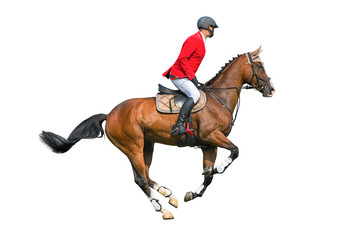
column 157, row 206
column 199, row 192
column 207, row 171
column 189, row 196
column 234, row 153
column 165, row 191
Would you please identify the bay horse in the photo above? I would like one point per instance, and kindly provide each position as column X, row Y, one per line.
column 134, row 126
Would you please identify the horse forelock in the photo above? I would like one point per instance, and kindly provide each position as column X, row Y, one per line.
column 254, row 58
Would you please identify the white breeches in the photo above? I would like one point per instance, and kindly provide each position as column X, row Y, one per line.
column 188, row 88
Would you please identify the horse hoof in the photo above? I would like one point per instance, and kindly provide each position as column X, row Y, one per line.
column 168, row 216
column 189, row 196
column 173, row 202
column 207, row 171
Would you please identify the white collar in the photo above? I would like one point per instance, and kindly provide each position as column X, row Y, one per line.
column 203, row 37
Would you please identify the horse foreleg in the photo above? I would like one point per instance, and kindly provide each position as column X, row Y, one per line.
column 226, row 163
column 200, row 191
column 217, row 138
column 209, row 158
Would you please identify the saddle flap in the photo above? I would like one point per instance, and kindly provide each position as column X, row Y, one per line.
column 179, row 97
column 170, row 101
column 179, row 100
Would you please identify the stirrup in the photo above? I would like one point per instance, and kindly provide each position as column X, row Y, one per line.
column 178, row 130
column 189, row 131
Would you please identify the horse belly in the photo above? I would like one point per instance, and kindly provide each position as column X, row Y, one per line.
column 157, row 128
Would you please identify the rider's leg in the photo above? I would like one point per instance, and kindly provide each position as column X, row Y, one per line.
column 179, row 127
column 193, row 94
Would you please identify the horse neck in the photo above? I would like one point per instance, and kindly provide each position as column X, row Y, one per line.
column 230, row 77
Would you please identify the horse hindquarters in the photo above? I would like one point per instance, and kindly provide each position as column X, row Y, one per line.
column 124, row 131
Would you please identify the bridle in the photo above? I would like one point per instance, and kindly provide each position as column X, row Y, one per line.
column 258, row 87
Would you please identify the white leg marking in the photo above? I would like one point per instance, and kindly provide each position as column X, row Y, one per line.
column 198, row 191
column 156, row 205
column 164, row 191
column 222, row 166
column 155, row 186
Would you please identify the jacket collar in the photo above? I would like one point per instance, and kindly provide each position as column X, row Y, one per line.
column 202, row 37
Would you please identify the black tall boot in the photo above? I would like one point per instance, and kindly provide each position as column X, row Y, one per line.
column 179, row 127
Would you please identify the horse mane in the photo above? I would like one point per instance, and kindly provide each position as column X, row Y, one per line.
column 212, row 80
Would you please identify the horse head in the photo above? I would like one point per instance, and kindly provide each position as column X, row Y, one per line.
column 254, row 74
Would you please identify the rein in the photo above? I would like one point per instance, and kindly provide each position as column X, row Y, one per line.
column 207, row 89
column 258, row 87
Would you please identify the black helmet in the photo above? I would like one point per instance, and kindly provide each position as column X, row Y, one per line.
column 205, row 22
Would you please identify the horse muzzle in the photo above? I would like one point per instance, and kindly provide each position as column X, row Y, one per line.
column 268, row 89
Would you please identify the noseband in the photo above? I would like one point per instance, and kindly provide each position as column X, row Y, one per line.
column 259, row 86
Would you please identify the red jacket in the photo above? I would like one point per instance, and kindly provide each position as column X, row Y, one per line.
column 191, row 55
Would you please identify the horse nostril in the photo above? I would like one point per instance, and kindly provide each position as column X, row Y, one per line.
column 272, row 90
column 272, row 87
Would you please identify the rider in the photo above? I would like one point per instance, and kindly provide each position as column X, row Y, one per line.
column 182, row 73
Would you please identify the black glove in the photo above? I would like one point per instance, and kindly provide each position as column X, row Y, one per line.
column 194, row 81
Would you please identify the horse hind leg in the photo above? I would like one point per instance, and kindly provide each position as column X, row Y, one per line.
column 166, row 192
column 142, row 182
column 134, row 152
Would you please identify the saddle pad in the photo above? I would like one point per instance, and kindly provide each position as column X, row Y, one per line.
column 166, row 103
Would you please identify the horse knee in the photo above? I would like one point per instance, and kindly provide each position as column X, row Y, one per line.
column 235, row 153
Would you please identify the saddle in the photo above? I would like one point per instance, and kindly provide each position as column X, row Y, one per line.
column 170, row 101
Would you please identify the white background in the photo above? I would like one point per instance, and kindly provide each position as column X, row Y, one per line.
column 64, row 61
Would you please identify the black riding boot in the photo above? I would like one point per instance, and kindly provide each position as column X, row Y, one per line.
column 179, row 127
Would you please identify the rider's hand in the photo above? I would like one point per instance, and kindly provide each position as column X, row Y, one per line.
column 194, row 81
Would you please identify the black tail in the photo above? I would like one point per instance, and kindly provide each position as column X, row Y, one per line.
column 88, row 129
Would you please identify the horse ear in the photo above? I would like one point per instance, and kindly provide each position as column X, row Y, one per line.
column 257, row 52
